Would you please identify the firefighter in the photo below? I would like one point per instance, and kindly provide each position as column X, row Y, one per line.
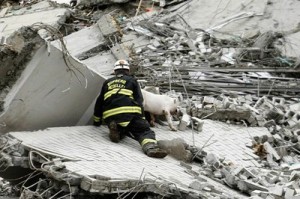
column 120, row 106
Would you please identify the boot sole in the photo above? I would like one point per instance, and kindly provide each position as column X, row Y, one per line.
column 114, row 134
column 157, row 154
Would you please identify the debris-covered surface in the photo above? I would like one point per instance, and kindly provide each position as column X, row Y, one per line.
column 234, row 65
column 84, row 157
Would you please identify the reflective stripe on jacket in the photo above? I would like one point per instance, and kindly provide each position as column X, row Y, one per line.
column 120, row 99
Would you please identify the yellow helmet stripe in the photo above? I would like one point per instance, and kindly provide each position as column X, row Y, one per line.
column 120, row 110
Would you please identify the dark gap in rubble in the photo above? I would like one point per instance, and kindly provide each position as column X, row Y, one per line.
column 94, row 51
column 17, row 177
column 14, row 55
column 74, row 23
column 11, row 2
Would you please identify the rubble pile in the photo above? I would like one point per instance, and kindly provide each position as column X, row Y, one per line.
column 48, row 177
column 207, row 65
column 245, row 80
column 255, row 182
column 278, row 154
column 266, row 111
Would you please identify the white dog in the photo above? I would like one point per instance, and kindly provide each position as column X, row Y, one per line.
column 157, row 104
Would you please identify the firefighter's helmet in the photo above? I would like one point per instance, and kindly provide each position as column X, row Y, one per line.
column 121, row 64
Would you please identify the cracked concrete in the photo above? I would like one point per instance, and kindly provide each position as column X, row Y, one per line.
column 47, row 90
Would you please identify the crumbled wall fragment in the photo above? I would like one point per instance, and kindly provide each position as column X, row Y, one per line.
column 14, row 55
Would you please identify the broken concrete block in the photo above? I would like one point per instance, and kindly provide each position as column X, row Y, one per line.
column 278, row 101
column 295, row 166
column 288, row 159
column 20, row 161
column 282, row 151
column 184, row 122
column 199, row 123
column 218, row 174
column 120, row 51
column 208, row 189
column 255, row 193
column 177, row 62
column 197, row 185
column 230, row 179
column 289, row 114
column 295, row 175
column 236, row 171
column 151, row 47
column 271, row 150
column 288, row 193
column 249, row 173
column 107, row 25
column 271, row 161
column 272, row 177
column 155, row 43
column 277, row 137
column 243, row 186
column 262, row 181
column 276, row 190
column 255, row 186
column 208, row 100
column 211, row 158
column 167, row 63
column 274, row 113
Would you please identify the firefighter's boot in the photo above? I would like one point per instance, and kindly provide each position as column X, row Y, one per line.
column 114, row 134
column 151, row 149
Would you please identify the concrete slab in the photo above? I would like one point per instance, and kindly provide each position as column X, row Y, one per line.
column 40, row 12
column 47, row 81
column 208, row 14
column 82, row 41
column 229, row 141
column 48, row 93
column 91, row 153
column 90, row 52
column 101, row 64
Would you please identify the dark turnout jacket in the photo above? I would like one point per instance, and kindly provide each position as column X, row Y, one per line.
column 120, row 100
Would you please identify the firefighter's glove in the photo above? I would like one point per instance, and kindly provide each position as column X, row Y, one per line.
column 97, row 123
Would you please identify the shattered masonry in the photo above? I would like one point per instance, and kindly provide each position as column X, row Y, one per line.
column 240, row 115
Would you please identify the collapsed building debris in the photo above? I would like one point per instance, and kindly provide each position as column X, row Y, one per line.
column 242, row 80
column 15, row 54
column 178, row 56
column 70, row 167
